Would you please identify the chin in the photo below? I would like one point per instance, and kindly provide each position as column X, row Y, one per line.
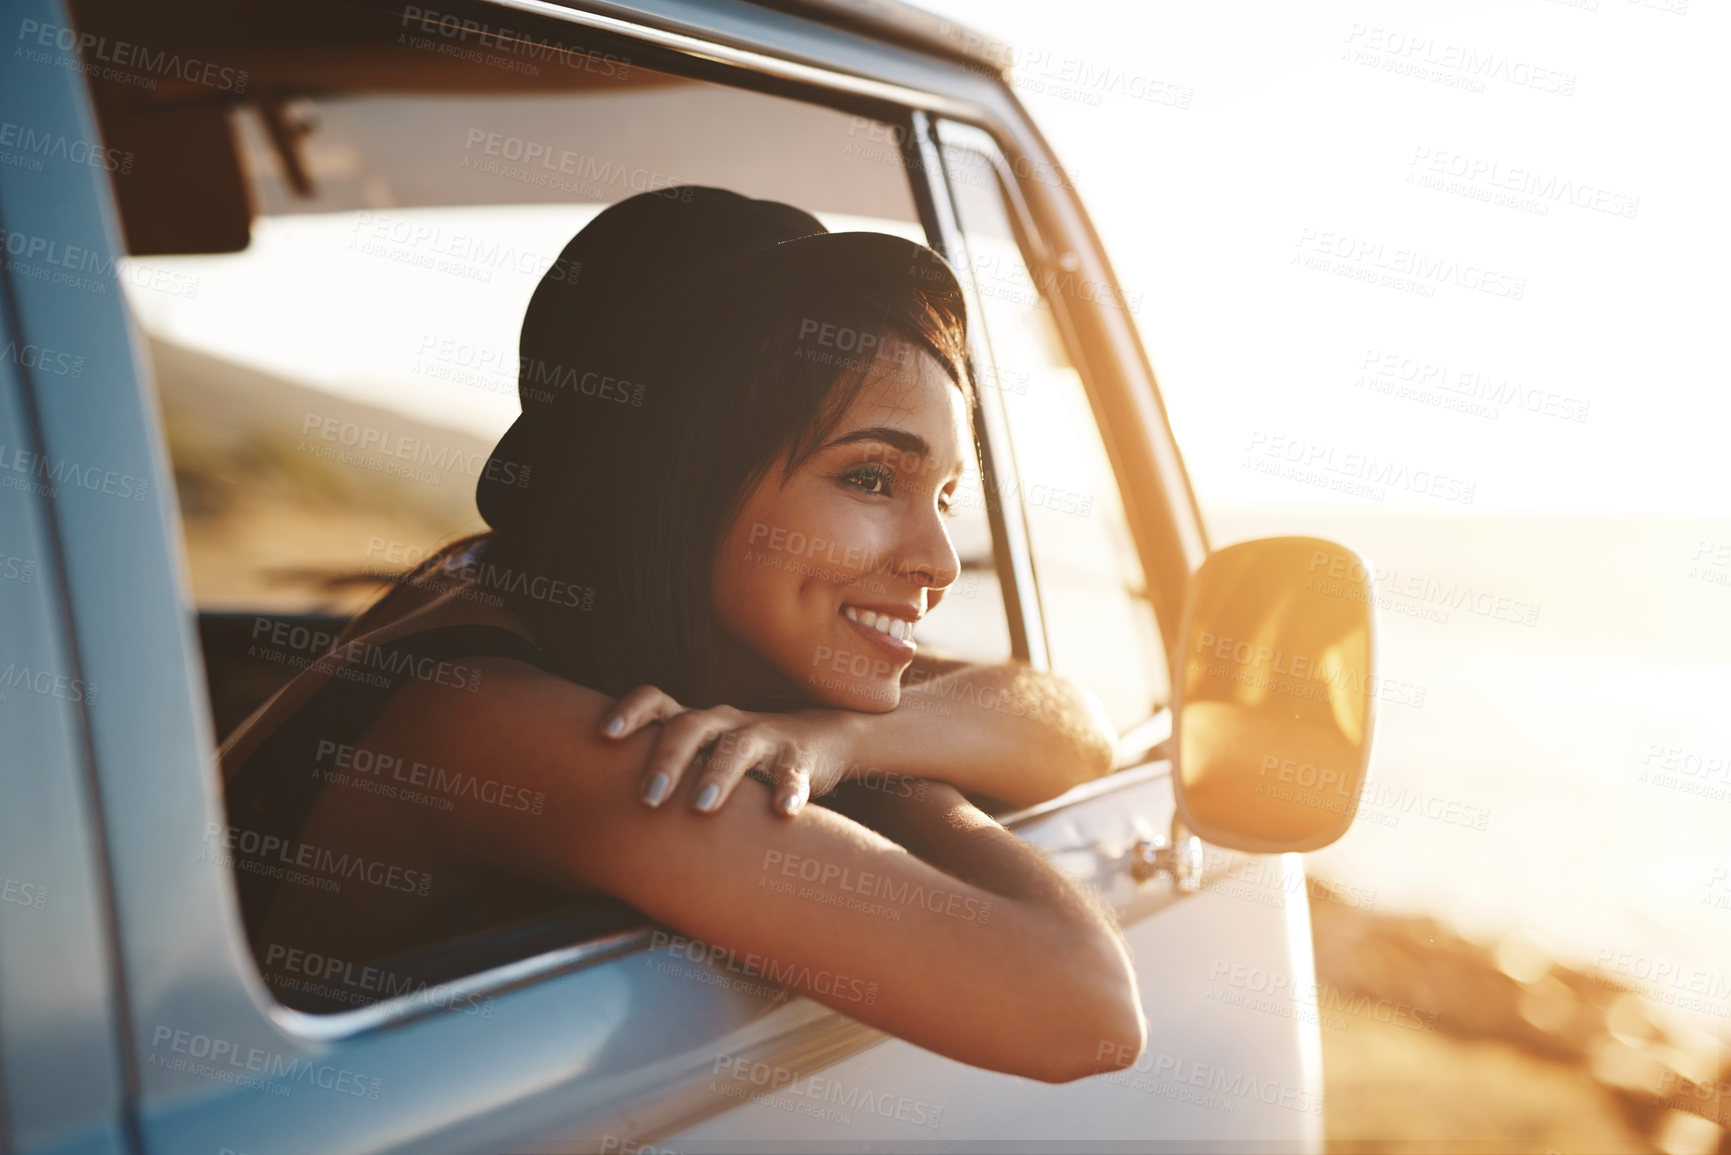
column 854, row 669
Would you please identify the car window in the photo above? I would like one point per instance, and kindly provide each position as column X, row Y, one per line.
column 334, row 337
column 1099, row 623
column 331, row 391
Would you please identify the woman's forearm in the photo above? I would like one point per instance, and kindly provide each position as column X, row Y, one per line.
column 1004, row 731
column 940, row 827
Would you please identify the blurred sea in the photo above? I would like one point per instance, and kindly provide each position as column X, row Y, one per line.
column 1567, row 778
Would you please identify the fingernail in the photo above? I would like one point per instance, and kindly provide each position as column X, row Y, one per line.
column 614, row 726
column 656, row 792
column 708, row 797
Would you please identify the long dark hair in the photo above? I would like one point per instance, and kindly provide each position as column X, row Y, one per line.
column 612, row 573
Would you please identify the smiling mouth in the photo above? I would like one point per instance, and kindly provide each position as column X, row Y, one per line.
column 899, row 628
column 894, row 634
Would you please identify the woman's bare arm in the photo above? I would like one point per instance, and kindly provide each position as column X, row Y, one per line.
column 1005, row 731
column 1000, row 961
column 950, row 833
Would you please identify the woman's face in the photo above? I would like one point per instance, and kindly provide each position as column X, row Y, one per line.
column 821, row 581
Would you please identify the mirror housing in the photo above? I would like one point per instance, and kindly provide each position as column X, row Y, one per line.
column 1274, row 694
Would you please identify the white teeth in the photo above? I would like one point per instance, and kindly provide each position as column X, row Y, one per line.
column 883, row 623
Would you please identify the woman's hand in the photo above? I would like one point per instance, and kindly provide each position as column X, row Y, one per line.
column 797, row 755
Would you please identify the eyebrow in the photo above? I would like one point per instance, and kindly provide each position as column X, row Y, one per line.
column 898, row 438
column 889, row 435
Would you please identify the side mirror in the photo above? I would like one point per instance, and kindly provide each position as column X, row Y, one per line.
column 1275, row 694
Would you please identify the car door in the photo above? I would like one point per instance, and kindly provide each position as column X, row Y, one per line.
column 558, row 1039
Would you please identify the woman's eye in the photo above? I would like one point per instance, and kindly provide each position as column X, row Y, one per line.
column 871, row 480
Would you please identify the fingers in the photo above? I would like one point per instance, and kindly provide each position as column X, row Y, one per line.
column 791, row 787
column 793, row 790
column 677, row 747
column 637, row 709
column 740, row 751
column 823, row 777
column 737, row 749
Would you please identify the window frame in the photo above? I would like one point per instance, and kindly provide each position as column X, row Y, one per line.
column 1009, row 554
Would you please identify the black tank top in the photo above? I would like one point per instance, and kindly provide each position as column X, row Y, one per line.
column 271, row 795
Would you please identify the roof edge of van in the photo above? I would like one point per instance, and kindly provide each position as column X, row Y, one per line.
column 899, row 23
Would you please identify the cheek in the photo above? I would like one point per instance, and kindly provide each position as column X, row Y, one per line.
column 846, row 541
column 773, row 580
column 811, row 536
column 752, row 583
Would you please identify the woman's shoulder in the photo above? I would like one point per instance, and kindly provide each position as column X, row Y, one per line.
column 443, row 591
column 391, row 647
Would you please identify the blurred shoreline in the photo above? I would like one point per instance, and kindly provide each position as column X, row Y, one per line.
column 1580, row 1061
column 1571, row 943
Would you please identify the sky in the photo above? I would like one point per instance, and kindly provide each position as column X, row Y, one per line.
column 1470, row 255
column 1552, row 167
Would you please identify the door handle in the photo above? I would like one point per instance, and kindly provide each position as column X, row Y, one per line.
column 1179, row 855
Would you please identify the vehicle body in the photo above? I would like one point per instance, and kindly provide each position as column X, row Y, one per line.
column 132, row 1017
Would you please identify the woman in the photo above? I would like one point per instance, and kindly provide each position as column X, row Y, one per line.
column 715, row 529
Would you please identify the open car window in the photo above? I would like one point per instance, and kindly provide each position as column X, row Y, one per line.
column 331, row 282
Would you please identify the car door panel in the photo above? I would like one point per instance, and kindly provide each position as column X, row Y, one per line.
column 543, row 1068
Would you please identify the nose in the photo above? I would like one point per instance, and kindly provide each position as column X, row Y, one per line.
column 928, row 555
